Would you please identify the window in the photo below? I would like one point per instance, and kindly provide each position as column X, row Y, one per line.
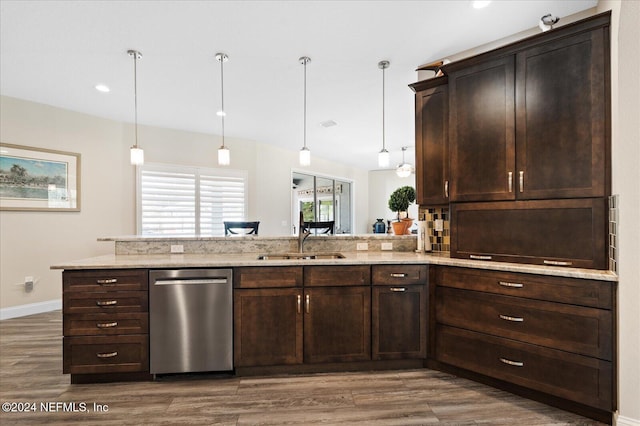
column 177, row 200
column 322, row 199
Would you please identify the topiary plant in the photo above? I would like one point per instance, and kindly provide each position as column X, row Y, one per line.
column 400, row 199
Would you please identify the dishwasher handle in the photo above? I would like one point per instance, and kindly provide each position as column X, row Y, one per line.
column 180, row 281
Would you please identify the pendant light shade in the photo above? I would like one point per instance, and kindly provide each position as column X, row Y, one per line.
column 224, row 155
column 383, row 155
column 404, row 169
column 136, row 153
column 305, row 153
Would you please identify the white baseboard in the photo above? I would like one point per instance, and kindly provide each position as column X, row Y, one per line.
column 30, row 309
column 626, row 421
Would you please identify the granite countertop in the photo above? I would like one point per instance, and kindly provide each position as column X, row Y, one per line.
column 113, row 261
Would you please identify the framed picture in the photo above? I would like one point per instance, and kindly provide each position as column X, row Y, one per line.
column 38, row 179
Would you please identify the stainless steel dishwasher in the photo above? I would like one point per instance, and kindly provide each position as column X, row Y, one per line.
column 191, row 320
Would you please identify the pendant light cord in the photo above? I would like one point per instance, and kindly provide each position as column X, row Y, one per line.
column 135, row 95
column 222, row 95
column 383, row 102
column 305, row 104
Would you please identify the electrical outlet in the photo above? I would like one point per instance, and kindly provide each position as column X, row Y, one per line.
column 386, row 246
column 177, row 248
column 439, row 225
column 28, row 284
column 362, row 246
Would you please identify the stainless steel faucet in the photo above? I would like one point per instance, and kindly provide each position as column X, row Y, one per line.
column 303, row 233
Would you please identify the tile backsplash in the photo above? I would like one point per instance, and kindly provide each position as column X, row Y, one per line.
column 440, row 240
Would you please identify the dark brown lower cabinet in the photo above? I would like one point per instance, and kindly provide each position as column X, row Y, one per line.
column 552, row 335
column 267, row 326
column 337, row 324
column 399, row 322
column 549, row 232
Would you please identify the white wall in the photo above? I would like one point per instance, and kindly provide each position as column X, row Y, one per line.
column 625, row 111
column 32, row 241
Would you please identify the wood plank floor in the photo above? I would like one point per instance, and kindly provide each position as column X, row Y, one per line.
column 31, row 372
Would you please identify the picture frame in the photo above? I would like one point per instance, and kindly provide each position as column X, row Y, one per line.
column 38, row 179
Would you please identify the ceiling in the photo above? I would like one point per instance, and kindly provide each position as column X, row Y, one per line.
column 55, row 52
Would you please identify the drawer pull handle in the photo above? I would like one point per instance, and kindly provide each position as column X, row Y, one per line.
column 107, row 281
column 446, row 189
column 510, row 181
column 514, row 363
column 508, row 284
column 556, row 263
column 398, row 289
column 107, row 354
column 299, row 304
column 307, row 302
column 397, row 275
column 475, row 256
column 107, row 324
column 513, row 319
column 106, row 302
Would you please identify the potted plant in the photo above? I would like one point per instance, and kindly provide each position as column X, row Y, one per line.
column 399, row 201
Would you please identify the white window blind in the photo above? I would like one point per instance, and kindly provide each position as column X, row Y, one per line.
column 174, row 200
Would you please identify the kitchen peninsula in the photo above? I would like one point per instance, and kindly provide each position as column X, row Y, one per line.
column 541, row 331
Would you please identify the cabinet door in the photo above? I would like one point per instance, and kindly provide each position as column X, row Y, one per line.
column 482, row 131
column 546, row 232
column 399, row 322
column 337, row 324
column 432, row 146
column 267, row 327
column 561, row 118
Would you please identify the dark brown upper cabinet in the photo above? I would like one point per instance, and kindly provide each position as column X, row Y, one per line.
column 560, row 118
column 432, row 141
column 482, row 131
column 531, row 120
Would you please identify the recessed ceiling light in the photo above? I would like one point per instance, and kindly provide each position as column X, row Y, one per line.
column 480, row 4
column 102, row 88
column 328, row 123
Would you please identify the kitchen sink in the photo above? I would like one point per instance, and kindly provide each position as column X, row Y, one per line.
column 300, row 256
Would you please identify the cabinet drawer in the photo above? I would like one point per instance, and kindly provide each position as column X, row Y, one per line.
column 586, row 331
column 267, row 276
column 550, row 232
column 122, row 301
column 398, row 274
column 106, row 354
column 574, row 377
column 598, row 294
column 331, row 276
column 105, row 280
column 106, row 324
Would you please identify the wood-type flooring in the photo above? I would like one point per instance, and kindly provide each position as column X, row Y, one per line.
column 31, row 375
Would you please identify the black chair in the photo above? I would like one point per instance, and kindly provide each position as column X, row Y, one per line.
column 241, row 228
column 320, row 227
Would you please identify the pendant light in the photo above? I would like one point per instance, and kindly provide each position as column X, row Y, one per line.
column 224, row 156
column 305, row 154
column 383, row 155
column 136, row 153
column 404, row 169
